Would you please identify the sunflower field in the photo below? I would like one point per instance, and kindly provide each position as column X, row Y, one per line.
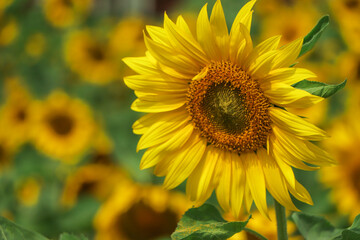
column 179, row 119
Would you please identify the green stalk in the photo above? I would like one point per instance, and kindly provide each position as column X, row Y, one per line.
column 280, row 221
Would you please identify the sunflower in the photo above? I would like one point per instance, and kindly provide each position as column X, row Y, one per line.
column 15, row 114
column 347, row 12
column 285, row 22
column 139, row 212
column 8, row 30
column 63, row 127
column 91, row 58
column 97, row 180
column 344, row 179
column 216, row 112
column 63, row 13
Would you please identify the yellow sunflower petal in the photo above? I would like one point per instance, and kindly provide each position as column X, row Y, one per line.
column 185, row 164
column 154, row 154
column 220, row 30
column 170, row 58
column 185, row 43
column 287, row 76
column 248, row 199
column 141, row 65
column 300, row 193
column 275, row 181
column 245, row 47
column 201, row 183
column 205, row 35
column 147, row 82
column 161, row 104
column 264, row 47
column 286, row 96
column 303, row 150
column 162, row 130
column 261, row 65
column 256, row 181
column 223, row 190
column 296, row 125
column 181, row 23
column 243, row 17
column 288, row 54
column 238, row 186
column 158, row 34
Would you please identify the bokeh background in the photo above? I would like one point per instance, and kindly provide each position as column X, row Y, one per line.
column 68, row 160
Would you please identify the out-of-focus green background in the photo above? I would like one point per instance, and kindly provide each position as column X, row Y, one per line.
column 68, row 160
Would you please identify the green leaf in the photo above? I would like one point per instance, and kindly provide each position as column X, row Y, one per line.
column 206, row 223
column 318, row 88
column 314, row 227
column 67, row 236
column 11, row 231
column 317, row 228
column 314, row 35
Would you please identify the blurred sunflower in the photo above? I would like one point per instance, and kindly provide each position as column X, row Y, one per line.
column 344, row 179
column 216, row 112
column 8, row 30
column 63, row 13
column 266, row 227
column 15, row 115
column 92, row 59
column 349, row 67
column 94, row 179
column 36, row 44
column 139, row 212
column 285, row 22
column 28, row 191
column 103, row 148
column 127, row 37
column 63, row 127
column 347, row 12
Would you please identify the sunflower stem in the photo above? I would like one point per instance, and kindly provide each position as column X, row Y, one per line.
column 280, row 221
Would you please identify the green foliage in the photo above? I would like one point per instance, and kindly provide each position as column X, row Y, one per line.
column 67, row 236
column 318, row 88
column 317, row 228
column 11, row 231
column 205, row 223
column 314, row 35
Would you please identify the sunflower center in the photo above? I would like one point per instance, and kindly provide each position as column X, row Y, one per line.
column 21, row 115
column 61, row 124
column 351, row 4
column 141, row 222
column 96, row 53
column 229, row 108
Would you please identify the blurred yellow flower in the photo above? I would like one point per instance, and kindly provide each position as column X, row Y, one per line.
column 91, row 58
column 28, row 191
column 349, row 67
column 36, row 44
column 63, row 127
column 139, row 212
column 285, row 21
column 15, row 115
column 63, row 13
column 127, row 37
column 347, row 12
column 216, row 112
column 97, row 180
column 344, row 179
column 8, row 30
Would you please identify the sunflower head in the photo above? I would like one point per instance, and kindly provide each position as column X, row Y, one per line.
column 139, row 212
column 63, row 128
column 217, row 113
